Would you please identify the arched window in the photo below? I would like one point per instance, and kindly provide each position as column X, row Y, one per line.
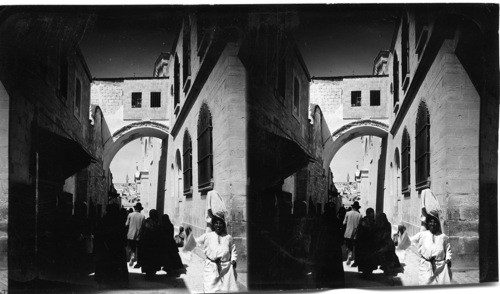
column 422, row 148
column 405, row 163
column 188, row 164
column 205, row 154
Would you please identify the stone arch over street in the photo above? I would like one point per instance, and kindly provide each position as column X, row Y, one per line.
column 130, row 132
column 350, row 131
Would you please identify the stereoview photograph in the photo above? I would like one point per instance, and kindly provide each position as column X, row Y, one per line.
column 237, row 148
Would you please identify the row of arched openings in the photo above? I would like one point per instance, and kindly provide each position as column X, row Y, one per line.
column 205, row 154
column 422, row 152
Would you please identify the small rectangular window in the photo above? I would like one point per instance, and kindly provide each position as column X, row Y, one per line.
column 155, row 99
column 375, row 98
column 355, row 98
column 136, row 100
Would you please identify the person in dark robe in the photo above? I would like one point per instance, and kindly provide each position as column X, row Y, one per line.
column 386, row 252
column 365, row 245
column 111, row 259
column 327, row 254
column 150, row 246
column 171, row 261
column 341, row 215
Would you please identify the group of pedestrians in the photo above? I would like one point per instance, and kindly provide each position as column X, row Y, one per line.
column 370, row 243
column 150, row 242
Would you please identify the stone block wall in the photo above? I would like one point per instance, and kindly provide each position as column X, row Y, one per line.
column 327, row 95
column 365, row 85
column 369, row 174
column 453, row 105
column 225, row 94
column 114, row 96
column 4, row 153
column 4, row 174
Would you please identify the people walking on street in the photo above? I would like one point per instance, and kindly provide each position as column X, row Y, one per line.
column 351, row 221
column 171, row 261
column 134, row 223
column 111, row 258
column 435, row 253
column 365, row 244
column 386, row 250
column 150, row 245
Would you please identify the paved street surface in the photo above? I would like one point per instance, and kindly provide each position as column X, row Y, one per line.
column 410, row 261
column 190, row 282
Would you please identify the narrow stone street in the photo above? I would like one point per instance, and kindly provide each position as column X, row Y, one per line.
column 190, row 282
column 410, row 261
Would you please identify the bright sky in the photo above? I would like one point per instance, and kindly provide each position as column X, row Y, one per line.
column 334, row 40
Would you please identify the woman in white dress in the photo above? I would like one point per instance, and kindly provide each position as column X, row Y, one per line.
column 219, row 274
column 435, row 253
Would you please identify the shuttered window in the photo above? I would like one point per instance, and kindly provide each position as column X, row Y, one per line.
column 422, row 150
column 205, row 149
column 155, row 99
column 188, row 164
column 405, row 163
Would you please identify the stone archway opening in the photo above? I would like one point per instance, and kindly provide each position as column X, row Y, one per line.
column 130, row 132
column 346, row 134
column 351, row 131
column 147, row 184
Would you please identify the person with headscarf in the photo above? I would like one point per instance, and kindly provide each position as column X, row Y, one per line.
column 171, row 261
column 327, row 252
column 111, row 257
column 365, row 244
column 214, row 205
column 219, row 273
column 150, row 245
column 435, row 252
column 386, row 250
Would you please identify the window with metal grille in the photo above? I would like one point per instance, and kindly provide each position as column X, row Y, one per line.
column 422, row 150
column 78, row 96
column 405, row 163
column 296, row 96
column 205, row 150
column 355, row 98
column 136, row 100
column 155, row 99
column 188, row 164
column 375, row 98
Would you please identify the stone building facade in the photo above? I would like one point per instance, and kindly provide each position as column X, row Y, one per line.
column 241, row 124
column 135, row 108
column 53, row 160
column 207, row 147
column 438, row 90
